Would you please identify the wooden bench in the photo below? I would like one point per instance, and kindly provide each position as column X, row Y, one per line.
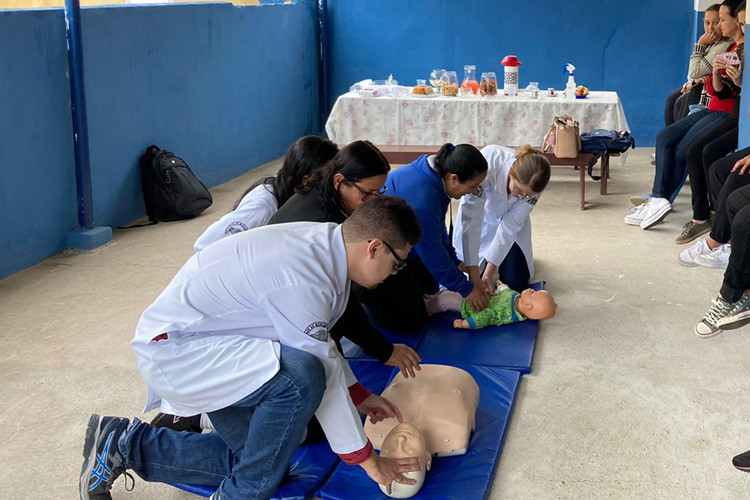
column 399, row 155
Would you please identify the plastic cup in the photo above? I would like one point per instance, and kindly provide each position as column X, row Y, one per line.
column 421, row 83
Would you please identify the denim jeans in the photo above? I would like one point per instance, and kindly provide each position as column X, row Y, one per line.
column 672, row 145
column 254, row 439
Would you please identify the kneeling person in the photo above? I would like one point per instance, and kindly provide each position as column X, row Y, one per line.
column 241, row 333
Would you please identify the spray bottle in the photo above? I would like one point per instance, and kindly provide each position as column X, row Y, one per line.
column 570, row 87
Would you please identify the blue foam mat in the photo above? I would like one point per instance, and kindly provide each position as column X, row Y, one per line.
column 411, row 339
column 508, row 346
column 312, row 464
column 463, row 477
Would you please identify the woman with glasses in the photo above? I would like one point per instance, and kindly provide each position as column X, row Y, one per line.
column 356, row 174
column 492, row 226
column 428, row 184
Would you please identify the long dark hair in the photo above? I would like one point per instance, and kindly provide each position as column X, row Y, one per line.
column 355, row 161
column 303, row 158
column 463, row 160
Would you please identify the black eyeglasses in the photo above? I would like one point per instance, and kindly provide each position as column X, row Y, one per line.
column 400, row 264
column 367, row 195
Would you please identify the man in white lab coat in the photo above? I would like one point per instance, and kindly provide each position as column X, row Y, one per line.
column 241, row 333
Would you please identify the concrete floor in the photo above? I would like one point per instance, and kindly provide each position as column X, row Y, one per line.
column 624, row 400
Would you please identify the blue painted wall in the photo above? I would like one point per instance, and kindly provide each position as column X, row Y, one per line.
column 743, row 139
column 639, row 49
column 37, row 172
column 226, row 88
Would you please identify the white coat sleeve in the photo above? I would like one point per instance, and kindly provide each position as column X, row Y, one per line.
column 471, row 213
column 301, row 316
column 511, row 223
column 255, row 210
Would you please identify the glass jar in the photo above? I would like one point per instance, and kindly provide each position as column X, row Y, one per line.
column 488, row 85
column 436, row 76
column 469, row 85
column 450, row 84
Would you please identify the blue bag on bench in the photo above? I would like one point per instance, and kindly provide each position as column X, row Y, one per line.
column 600, row 142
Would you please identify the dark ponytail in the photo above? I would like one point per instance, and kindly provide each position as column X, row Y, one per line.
column 463, row 160
column 305, row 156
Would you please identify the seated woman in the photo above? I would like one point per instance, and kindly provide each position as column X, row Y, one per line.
column 720, row 141
column 493, row 228
column 256, row 206
column 428, row 184
column 709, row 44
column 673, row 143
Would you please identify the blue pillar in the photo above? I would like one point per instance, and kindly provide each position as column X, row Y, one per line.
column 86, row 236
column 323, row 72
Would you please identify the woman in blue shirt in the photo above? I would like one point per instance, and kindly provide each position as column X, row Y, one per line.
column 428, row 184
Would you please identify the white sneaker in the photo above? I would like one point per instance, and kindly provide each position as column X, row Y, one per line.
column 718, row 258
column 658, row 208
column 687, row 257
column 636, row 217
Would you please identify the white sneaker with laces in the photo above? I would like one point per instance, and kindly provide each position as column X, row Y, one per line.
column 718, row 258
column 658, row 208
column 687, row 257
column 636, row 217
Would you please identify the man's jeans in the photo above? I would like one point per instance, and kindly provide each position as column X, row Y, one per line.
column 672, row 145
column 254, row 441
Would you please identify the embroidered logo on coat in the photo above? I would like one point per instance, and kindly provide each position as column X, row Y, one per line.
column 318, row 331
column 234, row 228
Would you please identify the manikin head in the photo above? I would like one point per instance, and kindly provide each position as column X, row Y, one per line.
column 378, row 237
column 405, row 441
column 536, row 304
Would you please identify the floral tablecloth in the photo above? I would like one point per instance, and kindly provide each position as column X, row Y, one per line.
column 508, row 121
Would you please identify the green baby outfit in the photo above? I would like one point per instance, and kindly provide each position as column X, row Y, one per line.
column 501, row 311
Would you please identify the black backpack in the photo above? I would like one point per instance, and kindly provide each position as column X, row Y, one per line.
column 170, row 189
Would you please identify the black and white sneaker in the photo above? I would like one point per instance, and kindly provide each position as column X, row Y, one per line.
column 707, row 327
column 176, row 423
column 102, row 461
column 738, row 317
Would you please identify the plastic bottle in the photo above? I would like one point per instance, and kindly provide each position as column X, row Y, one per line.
column 570, row 87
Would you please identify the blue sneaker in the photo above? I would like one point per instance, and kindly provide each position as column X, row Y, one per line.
column 102, row 461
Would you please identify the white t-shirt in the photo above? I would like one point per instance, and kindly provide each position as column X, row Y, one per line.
column 228, row 309
column 255, row 210
column 488, row 223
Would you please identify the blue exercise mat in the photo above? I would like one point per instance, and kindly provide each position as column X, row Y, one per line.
column 508, row 346
column 411, row 339
column 312, row 464
column 463, row 477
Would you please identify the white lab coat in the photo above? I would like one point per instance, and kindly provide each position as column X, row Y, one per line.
column 489, row 222
column 228, row 309
column 255, row 209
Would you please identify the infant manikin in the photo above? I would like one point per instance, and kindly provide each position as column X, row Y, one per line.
column 438, row 409
column 506, row 306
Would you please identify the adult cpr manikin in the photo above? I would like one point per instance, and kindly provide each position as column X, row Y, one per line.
column 438, row 409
